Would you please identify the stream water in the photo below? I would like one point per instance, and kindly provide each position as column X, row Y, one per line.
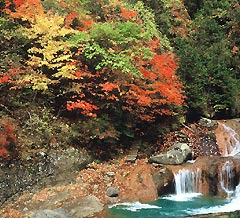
column 173, row 206
column 187, row 200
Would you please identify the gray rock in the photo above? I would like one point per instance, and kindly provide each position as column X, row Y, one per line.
column 208, row 123
column 58, row 213
column 112, row 192
column 177, row 154
column 131, row 158
column 85, row 207
column 42, row 169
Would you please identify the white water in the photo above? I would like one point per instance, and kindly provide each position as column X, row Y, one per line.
column 182, row 197
column 232, row 205
column 233, row 145
column 135, row 206
column 187, row 185
column 226, row 179
column 187, row 182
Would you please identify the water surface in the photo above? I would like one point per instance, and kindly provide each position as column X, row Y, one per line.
column 173, row 206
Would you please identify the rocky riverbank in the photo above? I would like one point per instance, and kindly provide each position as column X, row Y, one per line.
column 68, row 184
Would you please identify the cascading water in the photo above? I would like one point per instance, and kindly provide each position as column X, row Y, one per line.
column 187, row 181
column 187, row 189
column 226, row 178
column 187, row 184
column 232, row 146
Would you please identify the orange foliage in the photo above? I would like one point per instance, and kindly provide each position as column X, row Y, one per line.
column 85, row 25
column 86, row 107
column 109, row 86
column 27, row 9
column 159, row 88
column 147, row 74
column 15, row 3
column 5, row 78
column 9, row 76
column 128, row 14
column 69, row 19
column 154, row 44
column 7, row 139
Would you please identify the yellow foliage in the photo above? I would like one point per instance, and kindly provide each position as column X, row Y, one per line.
column 49, row 48
column 37, row 81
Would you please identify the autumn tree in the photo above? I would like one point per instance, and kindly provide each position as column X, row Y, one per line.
column 114, row 67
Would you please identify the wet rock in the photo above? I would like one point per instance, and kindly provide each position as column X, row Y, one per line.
column 164, row 180
column 137, row 183
column 112, row 192
column 177, row 154
column 212, row 172
column 226, row 134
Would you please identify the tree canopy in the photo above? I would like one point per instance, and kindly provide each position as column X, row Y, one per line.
column 121, row 69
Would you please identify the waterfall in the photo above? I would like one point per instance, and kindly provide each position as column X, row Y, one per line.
column 232, row 146
column 226, row 178
column 187, row 183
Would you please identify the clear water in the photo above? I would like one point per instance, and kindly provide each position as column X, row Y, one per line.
column 173, row 206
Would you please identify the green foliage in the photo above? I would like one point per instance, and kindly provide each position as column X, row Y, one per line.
column 207, row 63
column 149, row 23
column 110, row 45
column 204, row 36
column 121, row 33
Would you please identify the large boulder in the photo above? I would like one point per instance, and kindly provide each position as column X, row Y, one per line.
column 78, row 208
column 85, row 207
column 58, row 213
column 177, row 154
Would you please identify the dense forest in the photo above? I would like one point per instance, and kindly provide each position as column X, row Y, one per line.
column 104, row 75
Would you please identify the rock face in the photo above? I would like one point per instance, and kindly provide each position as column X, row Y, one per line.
column 137, row 183
column 177, row 154
column 164, row 181
column 213, row 171
column 223, row 136
column 235, row 214
column 40, row 169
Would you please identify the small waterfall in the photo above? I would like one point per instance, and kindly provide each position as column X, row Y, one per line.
column 187, row 182
column 232, row 145
column 226, row 178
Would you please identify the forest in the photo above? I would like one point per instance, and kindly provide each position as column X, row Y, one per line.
column 103, row 75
